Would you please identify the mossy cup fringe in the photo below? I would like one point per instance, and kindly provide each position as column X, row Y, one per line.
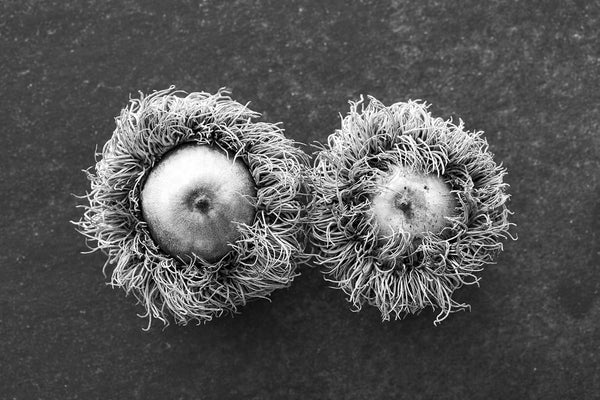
column 399, row 275
column 262, row 259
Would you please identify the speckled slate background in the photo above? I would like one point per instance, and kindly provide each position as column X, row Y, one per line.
column 525, row 72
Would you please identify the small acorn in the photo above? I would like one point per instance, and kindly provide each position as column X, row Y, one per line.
column 196, row 204
column 412, row 202
column 406, row 208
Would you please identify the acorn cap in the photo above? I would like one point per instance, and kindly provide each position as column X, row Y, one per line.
column 407, row 208
column 262, row 258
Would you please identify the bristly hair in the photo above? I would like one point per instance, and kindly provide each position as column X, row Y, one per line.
column 261, row 260
column 398, row 275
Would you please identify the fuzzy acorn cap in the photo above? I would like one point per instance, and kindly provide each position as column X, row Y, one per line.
column 264, row 256
column 398, row 273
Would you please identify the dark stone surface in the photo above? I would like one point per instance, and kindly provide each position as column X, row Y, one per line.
column 525, row 72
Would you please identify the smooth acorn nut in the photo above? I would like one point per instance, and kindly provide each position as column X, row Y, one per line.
column 413, row 203
column 193, row 198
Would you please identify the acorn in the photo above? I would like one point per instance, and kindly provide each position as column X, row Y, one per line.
column 194, row 198
column 406, row 209
column 197, row 205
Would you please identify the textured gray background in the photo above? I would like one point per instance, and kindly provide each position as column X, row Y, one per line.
column 525, row 72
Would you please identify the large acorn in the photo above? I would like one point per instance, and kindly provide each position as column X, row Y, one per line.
column 196, row 204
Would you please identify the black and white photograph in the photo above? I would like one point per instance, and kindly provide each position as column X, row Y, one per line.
column 299, row 199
